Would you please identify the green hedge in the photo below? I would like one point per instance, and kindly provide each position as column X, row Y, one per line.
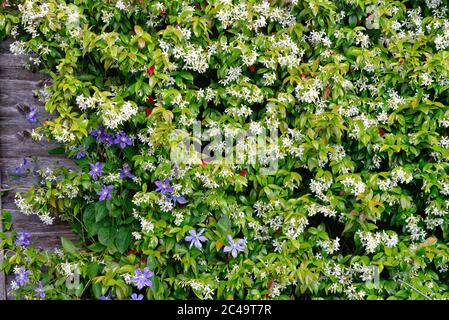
column 353, row 94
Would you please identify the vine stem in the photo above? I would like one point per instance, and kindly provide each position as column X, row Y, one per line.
column 413, row 288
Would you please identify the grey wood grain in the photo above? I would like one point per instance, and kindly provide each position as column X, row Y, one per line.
column 16, row 89
column 11, row 113
column 4, row 45
column 2, row 274
column 8, row 279
column 11, row 180
column 12, row 67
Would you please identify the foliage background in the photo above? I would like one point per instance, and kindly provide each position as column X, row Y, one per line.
column 357, row 89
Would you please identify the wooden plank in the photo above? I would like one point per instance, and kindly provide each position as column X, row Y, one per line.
column 22, row 93
column 11, row 113
column 8, row 279
column 2, row 274
column 15, row 92
column 4, row 45
column 12, row 68
column 17, row 143
column 9, row 295
column 24, row 86
column 16, row 89
column 12, row 180
column 10, row 150
column 32, row 224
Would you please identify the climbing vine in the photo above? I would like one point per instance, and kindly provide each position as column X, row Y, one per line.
column 237, row 149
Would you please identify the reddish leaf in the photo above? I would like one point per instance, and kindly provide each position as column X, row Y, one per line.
column 327, row 92
column 252, row 69
column 150, row 70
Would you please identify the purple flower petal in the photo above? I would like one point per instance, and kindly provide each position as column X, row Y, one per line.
column 22, row 276
column 32, row 114
column 23, row 239
column 195, row 239
column 240, row 242
column 198, row 244
column 134, row 296
column 96, row 170
column 105, row 192
column 142, row 279
column 181, row 200
column 234, row 247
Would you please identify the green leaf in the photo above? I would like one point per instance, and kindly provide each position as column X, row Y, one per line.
column 68, row 246
column 224, row 225
column 138, row 30
column 92, row 269
column 186, row 75
column 96, row 289
column 96, row 247
column 106, row 235
column 58, row 150
column 89, row 219
column 123, row 238
column 101, row 211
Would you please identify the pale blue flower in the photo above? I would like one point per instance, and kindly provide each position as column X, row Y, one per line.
column 234, row 247
column 196, row 238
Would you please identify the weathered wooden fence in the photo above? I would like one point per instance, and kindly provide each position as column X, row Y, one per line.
column 16, row 90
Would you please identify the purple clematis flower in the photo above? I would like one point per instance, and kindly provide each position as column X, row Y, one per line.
column 39, row 291
column 32, row 114
column 196, row 238
column 98, row 132
column 96, row 170
column 164, row 187
column 108, row 297
column 21, row 165
column 234, row 247
column 142, row 278
column 102, row 135
column 82, row 152
column 134, row 296
column 23, row 239
column 176, row 199
column 123, row 140
column 105, row 192
column 126, row 172
column 22, row 276
column 108, row 139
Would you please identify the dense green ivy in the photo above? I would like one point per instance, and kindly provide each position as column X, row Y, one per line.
column 353, row 93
